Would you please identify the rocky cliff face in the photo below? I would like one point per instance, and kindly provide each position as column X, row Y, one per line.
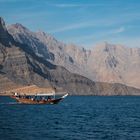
column 104, row 63
column 47, row 46
column 20, row 65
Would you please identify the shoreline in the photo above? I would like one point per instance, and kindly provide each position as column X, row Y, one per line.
column 80, row 95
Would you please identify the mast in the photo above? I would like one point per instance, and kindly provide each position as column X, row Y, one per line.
column 54, row 95
column 54, row 92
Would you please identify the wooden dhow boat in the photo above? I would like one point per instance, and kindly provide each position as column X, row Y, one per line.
column 39, row 98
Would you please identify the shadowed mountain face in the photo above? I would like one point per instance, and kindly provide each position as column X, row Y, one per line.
column 104, row 63
column 24, row 62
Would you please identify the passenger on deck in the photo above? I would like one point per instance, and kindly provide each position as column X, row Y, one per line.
column 49, row 98
column 43, row 99
column 32, row 99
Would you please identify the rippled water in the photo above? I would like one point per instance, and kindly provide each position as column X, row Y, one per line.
column 76, row 118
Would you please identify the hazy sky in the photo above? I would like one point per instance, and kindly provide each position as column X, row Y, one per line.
column 83, row 22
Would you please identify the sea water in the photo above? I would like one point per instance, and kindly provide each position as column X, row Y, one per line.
column 75, row 118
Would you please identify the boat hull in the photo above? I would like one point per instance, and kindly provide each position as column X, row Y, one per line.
column 29, row 101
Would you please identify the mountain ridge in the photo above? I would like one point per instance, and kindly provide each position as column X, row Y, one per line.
column 20, row 65
column 103, row 63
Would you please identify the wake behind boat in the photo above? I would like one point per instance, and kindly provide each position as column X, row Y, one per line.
column 38, row 98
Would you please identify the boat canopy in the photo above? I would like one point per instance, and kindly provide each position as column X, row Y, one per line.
column 45, row 94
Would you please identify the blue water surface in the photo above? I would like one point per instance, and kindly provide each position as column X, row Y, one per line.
column 76, row 118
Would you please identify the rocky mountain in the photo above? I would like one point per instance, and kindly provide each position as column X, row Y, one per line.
column 48, row 47
column 104, row 62
column 117, row 64
column 22, row 63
